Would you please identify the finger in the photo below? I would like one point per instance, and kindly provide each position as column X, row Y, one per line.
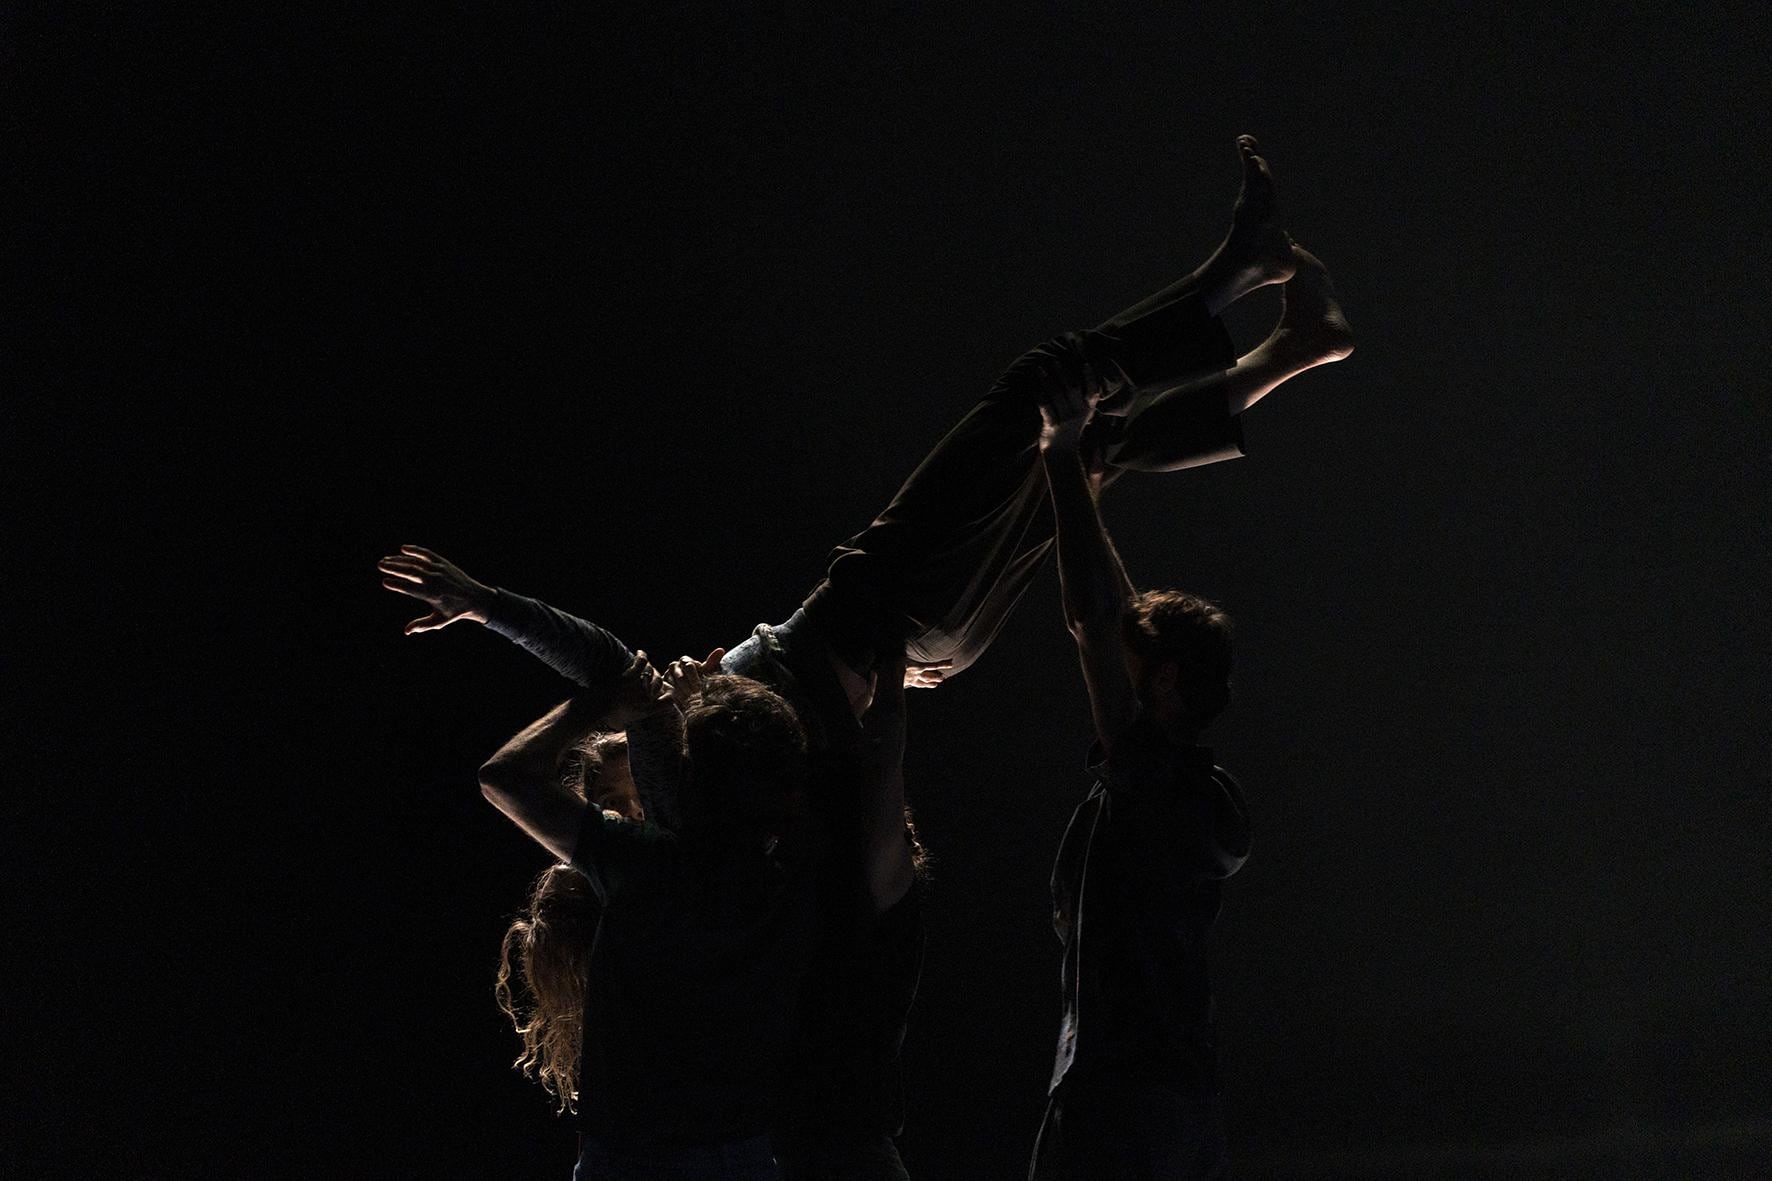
column 419, row 551
column 712, row 663
column 403, row 569
column 429, row 623
column 400, row 587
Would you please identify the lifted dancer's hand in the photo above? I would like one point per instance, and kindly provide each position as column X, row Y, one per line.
column 434, row 580
column 926, row 676
column 686, row 674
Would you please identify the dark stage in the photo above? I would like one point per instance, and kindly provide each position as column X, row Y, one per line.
column 642, row 311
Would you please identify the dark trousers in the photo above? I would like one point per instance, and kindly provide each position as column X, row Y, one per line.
column 873, row 1159
column 736, row 1160
column 1105, row 1131
column 944, row 565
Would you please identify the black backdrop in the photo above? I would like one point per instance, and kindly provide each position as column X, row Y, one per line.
column 639, row 311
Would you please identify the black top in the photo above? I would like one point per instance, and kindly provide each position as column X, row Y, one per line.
column 1135, row 892
column 692, row 981
column 845, row 1079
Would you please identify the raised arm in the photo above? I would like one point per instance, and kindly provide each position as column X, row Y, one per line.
column 577, row 649
column 891, row 871
column 1094, row 585
column 521, row 779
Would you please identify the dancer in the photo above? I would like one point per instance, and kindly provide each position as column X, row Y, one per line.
column 705, row 931
column 1133, row 1095
column 936, row 574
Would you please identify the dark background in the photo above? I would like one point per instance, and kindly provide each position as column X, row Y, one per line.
column 641, row 310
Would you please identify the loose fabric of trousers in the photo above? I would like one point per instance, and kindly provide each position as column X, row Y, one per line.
column 947, row 561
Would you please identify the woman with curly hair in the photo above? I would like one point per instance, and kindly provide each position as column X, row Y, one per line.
column 684, row 944
column 546, row 950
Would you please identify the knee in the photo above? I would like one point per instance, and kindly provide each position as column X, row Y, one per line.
column 1062, row 358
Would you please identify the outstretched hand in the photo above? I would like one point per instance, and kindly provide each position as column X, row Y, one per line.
column 437, row 582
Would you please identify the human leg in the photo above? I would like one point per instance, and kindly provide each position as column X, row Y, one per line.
column 1312, row 331
column 941, row 569
column 1254, row 253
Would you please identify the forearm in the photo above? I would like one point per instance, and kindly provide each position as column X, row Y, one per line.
column 585, row 654
column 1092, row 580
column 1096, row 593
column 891, row 870
column 520, row 779
column 531, row 757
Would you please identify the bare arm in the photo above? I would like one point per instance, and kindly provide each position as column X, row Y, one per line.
column 890, row 869
column 1095, row 588
column 520, row 780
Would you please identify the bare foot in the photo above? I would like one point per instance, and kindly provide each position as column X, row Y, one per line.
column 1256, row 251
column 1313, row 330
column 1256, row 240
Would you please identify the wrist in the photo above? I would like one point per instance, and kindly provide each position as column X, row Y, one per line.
column 482, row 604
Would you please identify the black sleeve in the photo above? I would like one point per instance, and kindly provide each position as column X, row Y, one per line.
column 613, row 853
column 580, row 651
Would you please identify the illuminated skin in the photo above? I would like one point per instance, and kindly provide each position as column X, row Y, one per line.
column 614, row 790
column 1256, row 251
column 520, row 780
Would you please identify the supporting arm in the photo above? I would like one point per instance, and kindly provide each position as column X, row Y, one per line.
column 1095, row 588
column 520, row 780
column 891, row 871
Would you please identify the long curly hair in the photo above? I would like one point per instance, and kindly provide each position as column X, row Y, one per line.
column 542, row 960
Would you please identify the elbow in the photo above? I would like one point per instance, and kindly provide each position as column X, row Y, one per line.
column 1094, row 627
column 1082, row 613
column 497, row 783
